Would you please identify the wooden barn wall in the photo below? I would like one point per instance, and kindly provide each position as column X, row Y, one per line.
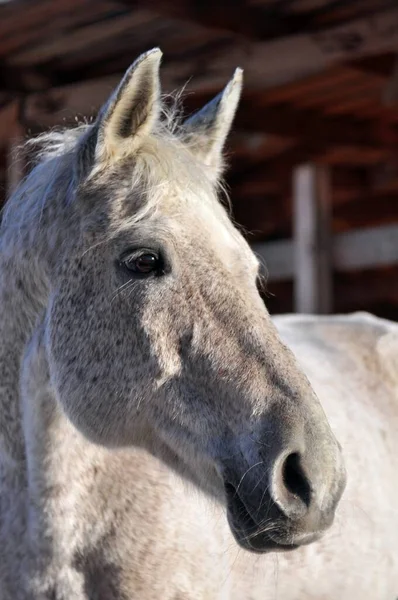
column 321, row 90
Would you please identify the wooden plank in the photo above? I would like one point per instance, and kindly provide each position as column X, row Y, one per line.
column 308, row 126
column 355, row 155
column 275, row 62
column 34, row 14
column 336, row 77
column 62, row 104
column 8, row 116
column 271, row 63
column 364, row 210
column 365, row 248
column 16, row 38
column 274, row 171
column 390, row 93
column 66, row 104
column 374, row 290
column 329, row 97
column 288, row 59
column 354, row 105
column 265, row 64
column 368, row 248
column 311, row 226
column 263, row 20
column 80, row 39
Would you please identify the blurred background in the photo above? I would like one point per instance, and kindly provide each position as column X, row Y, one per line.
column 313, row 158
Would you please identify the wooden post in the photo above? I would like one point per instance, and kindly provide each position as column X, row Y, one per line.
column 312, row 239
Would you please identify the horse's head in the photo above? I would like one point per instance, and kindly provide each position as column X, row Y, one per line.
column 156, row 333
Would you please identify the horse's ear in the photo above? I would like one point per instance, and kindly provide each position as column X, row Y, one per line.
column 132, row 110
column 206, row 131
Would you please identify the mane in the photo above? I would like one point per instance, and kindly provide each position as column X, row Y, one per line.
column 163, row 164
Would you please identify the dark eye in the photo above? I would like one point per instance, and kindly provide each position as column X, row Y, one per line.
column 142, row 263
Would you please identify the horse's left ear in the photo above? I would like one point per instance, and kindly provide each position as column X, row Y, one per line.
column 206, row 131
column 132, row 110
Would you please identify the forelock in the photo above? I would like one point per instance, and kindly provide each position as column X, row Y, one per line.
column 163, row 169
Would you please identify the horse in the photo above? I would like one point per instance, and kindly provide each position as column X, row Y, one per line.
column 161, row 437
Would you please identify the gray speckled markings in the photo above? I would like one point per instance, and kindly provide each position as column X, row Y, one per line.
column 150, row 415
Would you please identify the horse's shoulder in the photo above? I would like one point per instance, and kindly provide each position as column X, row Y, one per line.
column 387, row 348
column 353, row 327
column 361, row 337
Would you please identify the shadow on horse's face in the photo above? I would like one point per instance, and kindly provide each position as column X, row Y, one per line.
column 157, row 335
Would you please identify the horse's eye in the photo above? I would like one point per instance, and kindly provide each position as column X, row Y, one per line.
column 143, row 263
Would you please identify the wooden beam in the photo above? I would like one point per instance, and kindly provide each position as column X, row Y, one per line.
column 311, row 226
column 251, row 21
column 290, row 58
column 20, row 36
column 368, row 248
column 364, row 290
column 390, row 93
column 267, row 63
column 365, row 210
column 365, row 248
column 81, row 38
column 64, row 103
column 261, row 20
column 374, row 290
column 267, row 212
column 274, row 174
column 8, row 116
column 309, row 127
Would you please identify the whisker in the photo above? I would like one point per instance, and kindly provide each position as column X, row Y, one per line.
column 93, row 247
column 262, row 499
column 246, row 472
column 259, row 481
column 122, row 288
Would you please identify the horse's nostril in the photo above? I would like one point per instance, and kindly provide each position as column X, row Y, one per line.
column 291, row 489
column 295, row 480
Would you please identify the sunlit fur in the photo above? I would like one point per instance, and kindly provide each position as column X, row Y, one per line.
column 122, row 400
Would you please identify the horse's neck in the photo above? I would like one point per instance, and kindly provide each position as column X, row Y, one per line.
column 66, row 496
column 65, row 508
column 16, row 324
column 60, row 506
column 22, row 299
column 95, row 514
column 61, row 464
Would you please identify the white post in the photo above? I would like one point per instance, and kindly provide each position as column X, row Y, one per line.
column 312, row 239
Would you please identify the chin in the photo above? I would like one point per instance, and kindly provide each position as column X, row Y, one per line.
column 277, row 535
column 252, row 539
column 263, row 542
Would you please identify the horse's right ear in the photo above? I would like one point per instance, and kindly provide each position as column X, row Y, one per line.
column 132, row 110
column 206, row 131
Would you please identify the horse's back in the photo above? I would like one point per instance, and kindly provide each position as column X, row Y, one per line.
column 352, row 363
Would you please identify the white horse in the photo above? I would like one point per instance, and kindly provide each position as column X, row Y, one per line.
column 152, row 422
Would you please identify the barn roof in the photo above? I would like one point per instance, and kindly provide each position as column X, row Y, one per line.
column 321, row 84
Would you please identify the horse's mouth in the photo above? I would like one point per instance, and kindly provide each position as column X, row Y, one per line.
column 258, row 537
